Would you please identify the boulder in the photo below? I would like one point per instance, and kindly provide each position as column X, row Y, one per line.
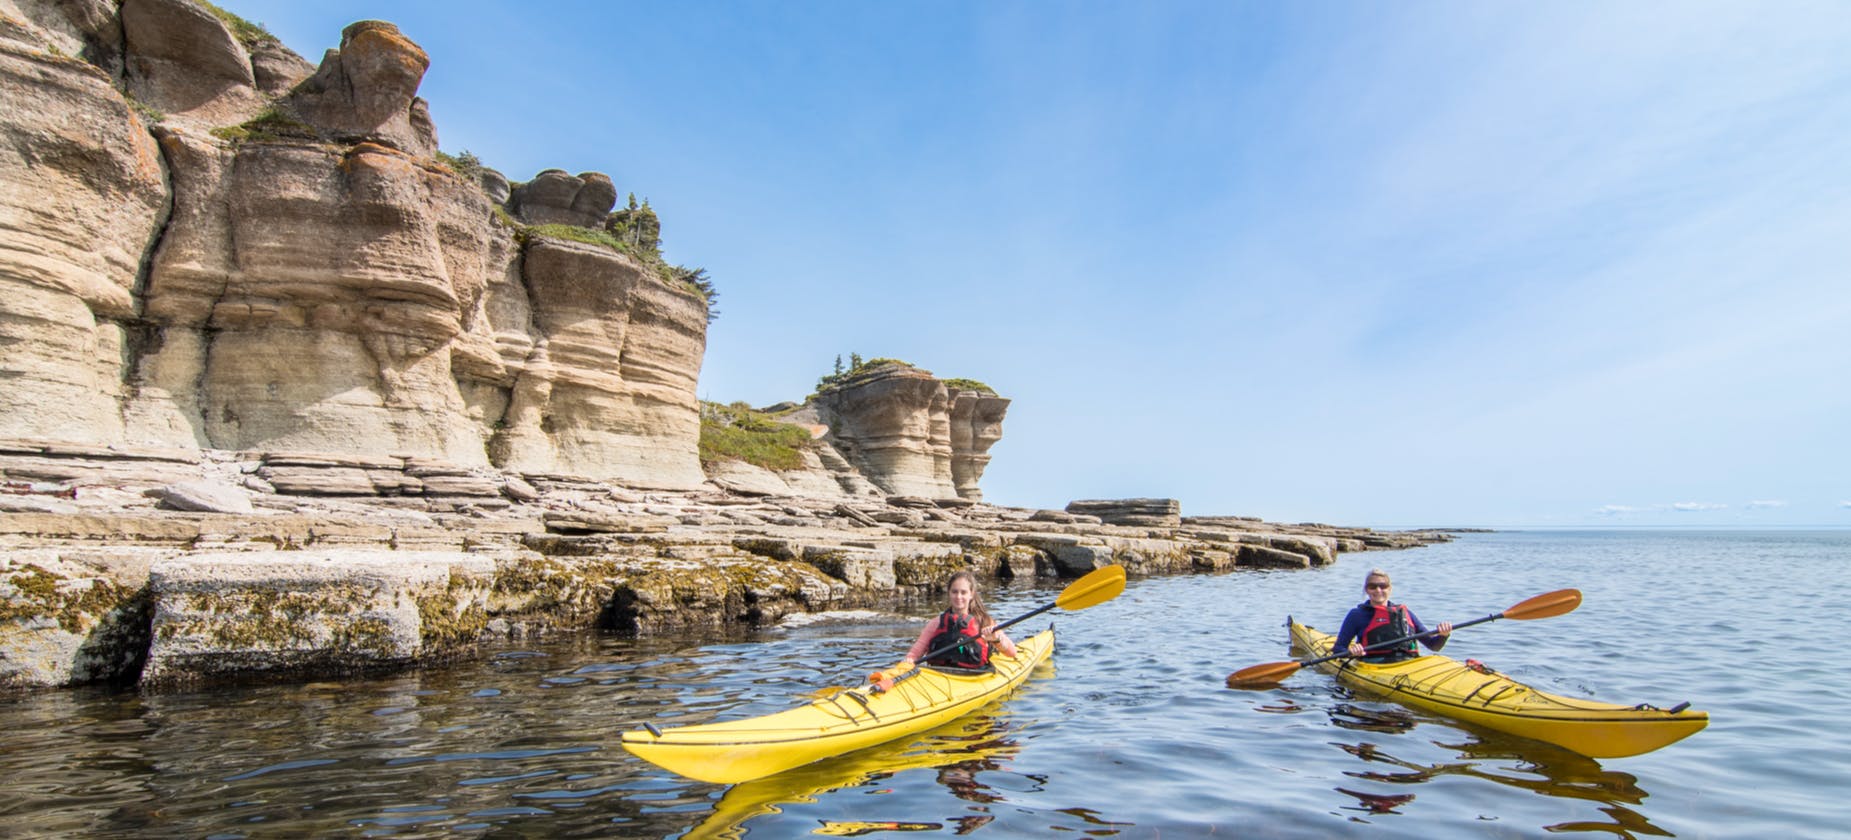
column 183, row 61
column 1262, row 557
column 1073, row 561
column 366, row 91
column 308, row 613
column 555, row 198
column 717, row 592
column 67, row 618
column 860, row 568
column 206, row 497
column 516, row 488
column 276, row 68
column 746, row 479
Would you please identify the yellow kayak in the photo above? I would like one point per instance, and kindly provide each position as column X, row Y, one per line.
column 1481, row 696
column 742, row 750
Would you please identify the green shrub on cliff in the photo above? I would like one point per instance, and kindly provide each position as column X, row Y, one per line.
column 695, row 280
column 271, row 124
column 574, row 233
column 737, row 433
column 638, row 227
column 249, row 34
column 634, row 232
column 465, row 164
column 968, row 385
column 856, row 369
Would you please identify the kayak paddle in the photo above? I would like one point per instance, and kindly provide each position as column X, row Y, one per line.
column 1096, row 587
column 1546, row 605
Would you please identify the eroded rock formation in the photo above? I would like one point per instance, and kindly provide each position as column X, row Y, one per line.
column 911, row 435
column 281, row 263
column 976, row 425
column 81, row 201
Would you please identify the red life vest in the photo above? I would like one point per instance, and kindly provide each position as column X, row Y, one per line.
column 1385, row 623
column 961, row 634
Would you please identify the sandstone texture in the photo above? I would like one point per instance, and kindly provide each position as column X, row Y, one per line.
column 210, row 244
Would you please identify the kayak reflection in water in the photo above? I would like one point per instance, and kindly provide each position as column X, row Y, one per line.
column 965, row 627
column 1379, row 620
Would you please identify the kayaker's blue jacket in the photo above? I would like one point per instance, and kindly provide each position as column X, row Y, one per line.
column 1358, row 620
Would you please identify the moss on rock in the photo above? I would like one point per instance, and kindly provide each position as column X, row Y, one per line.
column 31, row 592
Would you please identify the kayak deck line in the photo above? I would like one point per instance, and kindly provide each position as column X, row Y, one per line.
column 728, row 752
column 772, row 736
column 1402, row 683
column 1481, row 696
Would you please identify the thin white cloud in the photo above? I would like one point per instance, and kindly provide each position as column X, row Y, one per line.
column 1763, row 504
column 1844, row 504
column 1687, row 507
column 1622, row 510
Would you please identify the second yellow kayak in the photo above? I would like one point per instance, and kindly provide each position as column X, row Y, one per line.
column 1479, row 695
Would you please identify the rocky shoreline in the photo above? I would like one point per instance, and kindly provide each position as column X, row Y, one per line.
column 171, row 569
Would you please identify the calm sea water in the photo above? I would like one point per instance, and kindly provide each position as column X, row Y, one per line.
column 1129, row 733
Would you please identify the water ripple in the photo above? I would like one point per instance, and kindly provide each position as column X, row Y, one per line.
column 1130, row 733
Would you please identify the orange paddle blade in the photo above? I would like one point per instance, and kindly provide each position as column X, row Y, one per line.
column 1262, row 676
column 1546, row 605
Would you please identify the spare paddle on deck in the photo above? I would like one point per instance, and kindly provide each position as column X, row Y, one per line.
column 1546, row 605
column 1097, row 587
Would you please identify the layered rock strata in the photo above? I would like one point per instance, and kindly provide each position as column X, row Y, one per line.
column 910, row 434
column 314, row 565
column 209, row 246
column 1161, row 513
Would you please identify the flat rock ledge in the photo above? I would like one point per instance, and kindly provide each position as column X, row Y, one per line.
column 173, row 569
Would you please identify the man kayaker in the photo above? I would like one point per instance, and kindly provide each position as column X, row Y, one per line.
column 965, row 627
column 1379, row 620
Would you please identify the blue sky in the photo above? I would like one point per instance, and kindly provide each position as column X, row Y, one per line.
column 1387, row 264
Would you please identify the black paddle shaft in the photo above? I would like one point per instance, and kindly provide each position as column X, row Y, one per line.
column 1407, row 638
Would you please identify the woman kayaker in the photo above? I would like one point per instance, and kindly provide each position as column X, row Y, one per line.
column 1379, row 620
column 965, row 627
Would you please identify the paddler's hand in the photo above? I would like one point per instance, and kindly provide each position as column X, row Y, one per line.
column 1356, row 649
column 1445, row 629
column 885, row 678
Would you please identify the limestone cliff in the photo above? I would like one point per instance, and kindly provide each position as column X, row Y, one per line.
column 909, row 433
column 211, row 244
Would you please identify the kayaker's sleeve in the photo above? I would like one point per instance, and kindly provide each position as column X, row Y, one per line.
column 919, row 647
column 1353, row 625
column 1004, row 644
column 1433, row 643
